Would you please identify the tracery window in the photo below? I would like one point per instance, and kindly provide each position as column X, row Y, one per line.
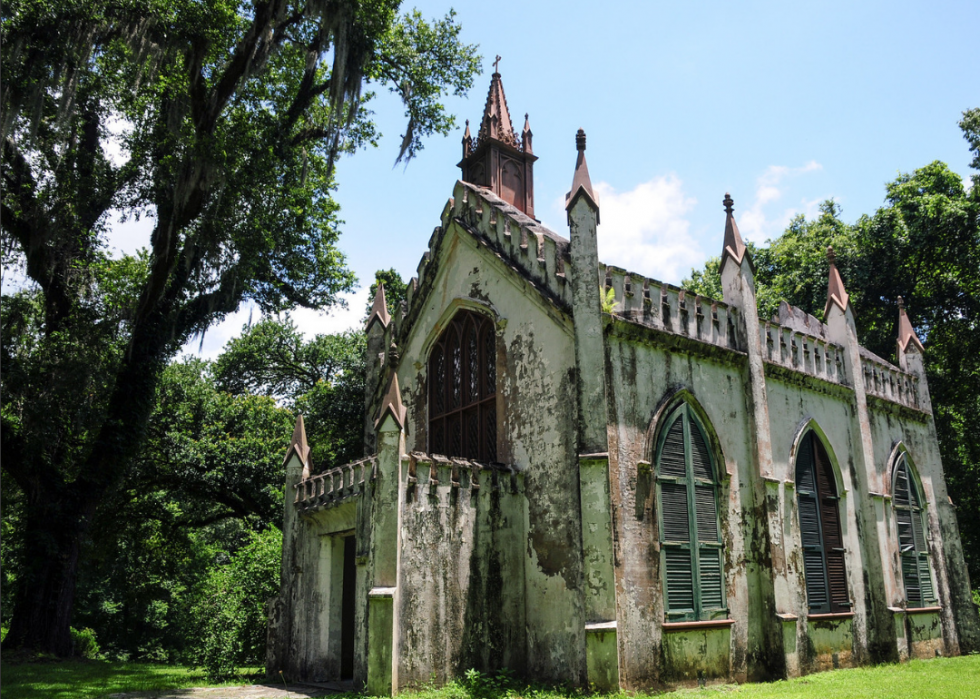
column 820, row 530
column 463, row 390
column 907, row 502
column 687, row 497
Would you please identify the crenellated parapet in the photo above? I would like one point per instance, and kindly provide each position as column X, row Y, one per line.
column 428, row 471
column 886, row 381
column 793, row 349
column 335, row 486
column 671, row 309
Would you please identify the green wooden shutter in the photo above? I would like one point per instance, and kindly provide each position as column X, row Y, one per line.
column 672, row 452
column 911, row 538
column 677, row 526
column 811, row 534
column 691, row 544
column 680, row 580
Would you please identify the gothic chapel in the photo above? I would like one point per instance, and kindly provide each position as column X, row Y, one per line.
column 673, row 492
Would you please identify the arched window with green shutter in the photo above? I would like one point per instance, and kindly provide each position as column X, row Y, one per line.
column 908, row 503
column 820, row 530
column 690, row 537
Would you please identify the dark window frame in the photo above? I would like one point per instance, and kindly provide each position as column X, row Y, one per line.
column 701, row 549
column 462, row 388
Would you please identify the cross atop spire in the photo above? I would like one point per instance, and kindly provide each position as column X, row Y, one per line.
column 496, row 122
column 733, row 248
column 499, row 158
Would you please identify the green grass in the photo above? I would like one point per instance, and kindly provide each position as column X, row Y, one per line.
column 942, row 678
column 91, row 679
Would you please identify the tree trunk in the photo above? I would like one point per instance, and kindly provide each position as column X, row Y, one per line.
column 53, row 530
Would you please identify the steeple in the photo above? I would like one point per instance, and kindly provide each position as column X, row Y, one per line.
column 581, row 182
column 906, row 335
column 733, row 247
column 497, row 159
column 836, row 293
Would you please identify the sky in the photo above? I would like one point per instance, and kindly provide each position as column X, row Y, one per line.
column 782, row 104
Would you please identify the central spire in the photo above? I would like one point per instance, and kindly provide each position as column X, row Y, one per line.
column 497, row 158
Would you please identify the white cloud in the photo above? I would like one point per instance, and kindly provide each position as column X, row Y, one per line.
column 646, row 229
column 759, row 223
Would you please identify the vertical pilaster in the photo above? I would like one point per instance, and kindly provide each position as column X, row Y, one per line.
column 775, row 587
column 382, row 665
column 871, row 600
column 602, row 651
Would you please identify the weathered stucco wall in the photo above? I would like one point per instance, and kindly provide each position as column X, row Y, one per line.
column 461, row 573
column 645, row 378
column 536, row 410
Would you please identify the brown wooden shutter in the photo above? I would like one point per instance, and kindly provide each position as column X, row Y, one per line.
column 833, row 543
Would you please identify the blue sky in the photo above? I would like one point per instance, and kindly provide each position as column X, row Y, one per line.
column 783, row 104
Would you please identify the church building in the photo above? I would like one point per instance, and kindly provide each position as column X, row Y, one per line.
column 662, row 491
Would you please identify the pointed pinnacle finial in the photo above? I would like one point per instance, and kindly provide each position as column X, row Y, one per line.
column 581, row 182
column 734, row 247
column 906, row 334
column 299, row 446
column 467, row 134
column 836, row 293
column 379, row 310
column 392, row 403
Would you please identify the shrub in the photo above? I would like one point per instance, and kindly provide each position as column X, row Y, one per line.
column 231, row 607
column 84, row 644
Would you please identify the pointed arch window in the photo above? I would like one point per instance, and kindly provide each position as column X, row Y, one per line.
column 907, row 502
column 820, row 530
column 690, row 537
column 463, row 389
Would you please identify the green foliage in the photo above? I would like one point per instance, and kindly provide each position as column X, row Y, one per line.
column 84, row 644
column 322, row 378
column 231, row 608
column 607, row 300
column 233, row 116
column 970, row 124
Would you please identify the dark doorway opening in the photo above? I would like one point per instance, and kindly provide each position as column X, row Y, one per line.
column 347, row 612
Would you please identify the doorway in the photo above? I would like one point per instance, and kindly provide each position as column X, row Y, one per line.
column 347, row 611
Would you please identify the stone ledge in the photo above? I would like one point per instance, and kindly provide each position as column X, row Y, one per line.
column 834, row 616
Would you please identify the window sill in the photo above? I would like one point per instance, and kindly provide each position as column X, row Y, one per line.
column 923, row 610
column 684, row 625
column 830, row 617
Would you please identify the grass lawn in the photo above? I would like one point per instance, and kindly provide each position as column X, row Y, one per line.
column 941, row 678
column 88, row 679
